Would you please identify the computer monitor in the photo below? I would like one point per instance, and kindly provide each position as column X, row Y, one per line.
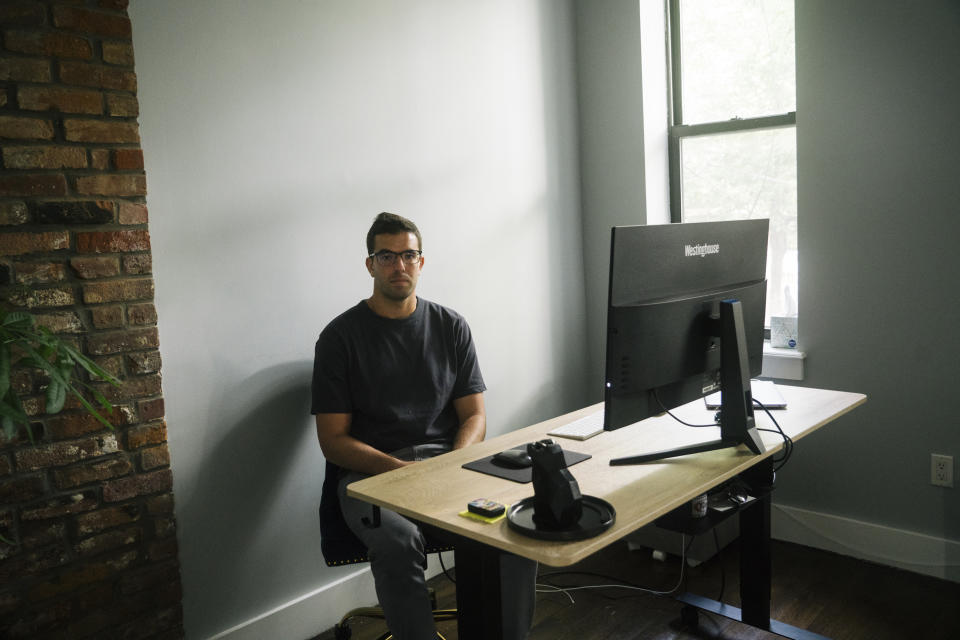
column 684, row 319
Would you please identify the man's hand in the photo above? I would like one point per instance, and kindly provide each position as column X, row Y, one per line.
column 342, row 449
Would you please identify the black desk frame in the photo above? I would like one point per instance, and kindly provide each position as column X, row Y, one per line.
column 755, row 564
column 478, row 575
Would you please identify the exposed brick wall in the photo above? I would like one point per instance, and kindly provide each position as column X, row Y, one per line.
column 89, row 510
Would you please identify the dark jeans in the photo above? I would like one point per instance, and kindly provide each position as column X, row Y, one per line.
column 397, row 559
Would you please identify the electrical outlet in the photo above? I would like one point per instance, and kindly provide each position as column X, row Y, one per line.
column 941, row 470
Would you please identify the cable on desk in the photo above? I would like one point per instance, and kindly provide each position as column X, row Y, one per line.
column 669, row 413
column 787, row 440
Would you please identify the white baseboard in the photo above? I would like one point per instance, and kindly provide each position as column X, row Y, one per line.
column 937, row 557
column 313, row 613
column 309, row 614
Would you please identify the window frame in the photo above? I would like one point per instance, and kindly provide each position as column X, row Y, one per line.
column 677, row 130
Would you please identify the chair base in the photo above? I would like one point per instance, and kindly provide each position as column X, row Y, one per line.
column 342, row 630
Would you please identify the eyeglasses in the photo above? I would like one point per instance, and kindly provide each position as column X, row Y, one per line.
column 387, row 258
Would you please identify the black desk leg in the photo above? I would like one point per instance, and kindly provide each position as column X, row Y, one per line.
column 479, row 613
column 756, row 569
column 755, row 564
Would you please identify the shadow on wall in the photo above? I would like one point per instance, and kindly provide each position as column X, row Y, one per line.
column 256, row 495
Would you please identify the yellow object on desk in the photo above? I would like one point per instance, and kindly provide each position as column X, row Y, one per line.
column 483, row 519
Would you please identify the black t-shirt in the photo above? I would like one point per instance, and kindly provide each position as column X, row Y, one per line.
column 398, row 378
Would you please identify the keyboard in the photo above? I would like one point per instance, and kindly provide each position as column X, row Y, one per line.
column 581, row 429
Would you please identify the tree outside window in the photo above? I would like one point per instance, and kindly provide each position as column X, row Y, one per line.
column 733, row 125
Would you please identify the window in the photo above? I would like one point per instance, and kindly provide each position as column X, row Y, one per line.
column 733, row 125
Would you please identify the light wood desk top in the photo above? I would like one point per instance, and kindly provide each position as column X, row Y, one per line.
column 435, row 491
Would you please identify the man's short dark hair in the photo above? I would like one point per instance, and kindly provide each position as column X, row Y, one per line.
column 391, row 223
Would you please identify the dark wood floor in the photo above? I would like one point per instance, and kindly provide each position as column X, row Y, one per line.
column 832, row 595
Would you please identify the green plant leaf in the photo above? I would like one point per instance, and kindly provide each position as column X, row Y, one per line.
column 44, row 363
column 99, row 397
column 90, row 366
column 56, row 396
column 89, row 407
column 44, row 350
column 102, row 400
column 14, row 318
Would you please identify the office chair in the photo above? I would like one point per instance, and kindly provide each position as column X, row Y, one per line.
column 341, row 547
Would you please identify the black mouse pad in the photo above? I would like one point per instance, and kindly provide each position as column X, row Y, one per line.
column 487, row 466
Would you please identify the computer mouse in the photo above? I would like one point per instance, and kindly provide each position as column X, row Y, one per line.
column 513, row 459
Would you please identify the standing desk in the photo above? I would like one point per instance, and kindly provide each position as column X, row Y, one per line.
column 435, row 491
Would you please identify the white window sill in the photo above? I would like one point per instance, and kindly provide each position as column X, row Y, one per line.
column 782, row 364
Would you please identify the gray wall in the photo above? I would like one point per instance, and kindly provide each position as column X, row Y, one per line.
column 879, row 198
column 612, row 167
column 878, row 151
column 273, row 132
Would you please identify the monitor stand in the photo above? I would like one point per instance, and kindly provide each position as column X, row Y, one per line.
column 737, row 424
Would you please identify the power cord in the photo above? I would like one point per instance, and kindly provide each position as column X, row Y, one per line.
column 566, row 591
column 551, row 588
column 444, row 568
column 663, row 408
column 787, row 440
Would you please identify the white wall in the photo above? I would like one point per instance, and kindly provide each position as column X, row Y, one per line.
column 273, row 133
